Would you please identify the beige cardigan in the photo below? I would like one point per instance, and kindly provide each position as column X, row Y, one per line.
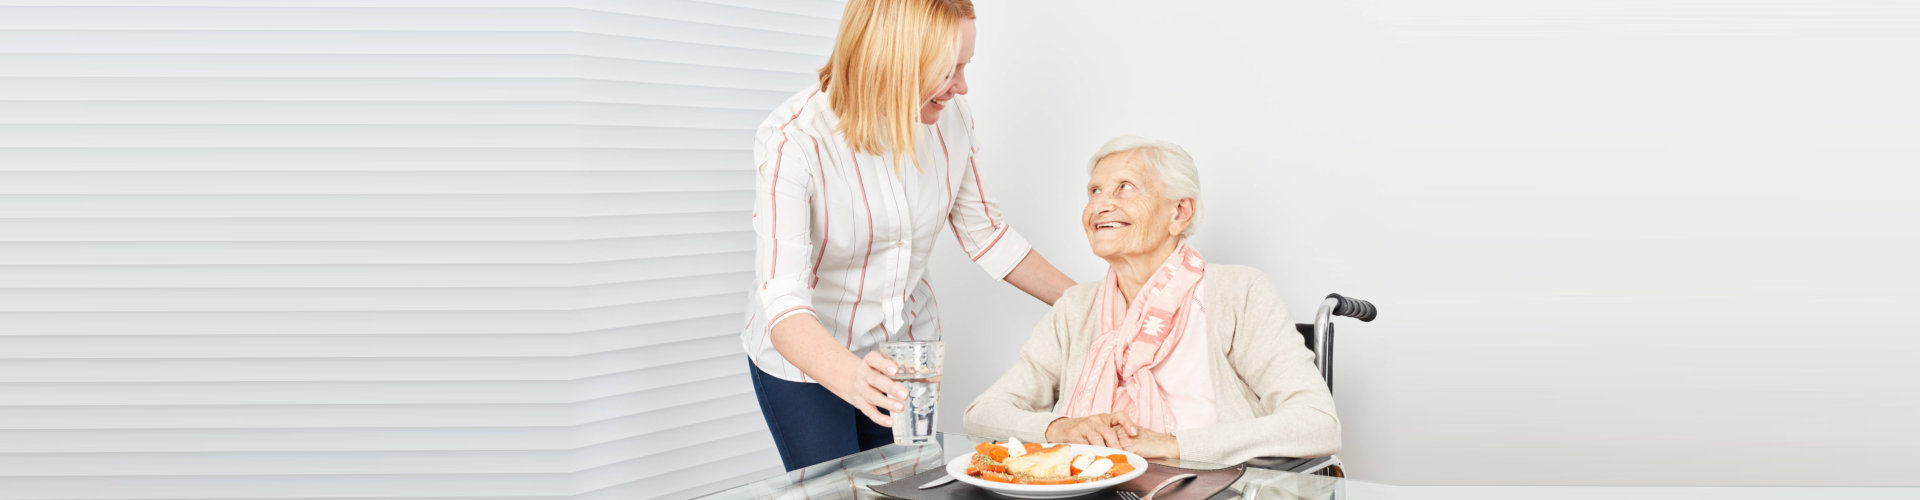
column 1269, row 398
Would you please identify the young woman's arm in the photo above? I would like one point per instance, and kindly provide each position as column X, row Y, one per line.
column 1039, row 278
column 863, row 383
column 783, row 228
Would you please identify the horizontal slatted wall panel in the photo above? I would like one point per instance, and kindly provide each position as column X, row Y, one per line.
column 383, row 249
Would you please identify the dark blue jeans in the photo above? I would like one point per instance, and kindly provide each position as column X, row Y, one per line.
column 810, row 425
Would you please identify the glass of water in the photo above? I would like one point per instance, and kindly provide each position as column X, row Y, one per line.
column 920, row 371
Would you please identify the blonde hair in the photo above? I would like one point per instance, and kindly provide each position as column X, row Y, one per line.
column 888, row 56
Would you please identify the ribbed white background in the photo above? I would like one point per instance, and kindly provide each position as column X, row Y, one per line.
column 383, row 249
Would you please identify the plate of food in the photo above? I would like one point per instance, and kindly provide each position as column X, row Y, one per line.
column 1045, row 470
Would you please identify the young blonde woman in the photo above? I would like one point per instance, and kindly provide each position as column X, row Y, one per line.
column 858, row 176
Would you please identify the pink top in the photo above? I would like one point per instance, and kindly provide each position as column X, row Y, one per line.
column 1186, row 376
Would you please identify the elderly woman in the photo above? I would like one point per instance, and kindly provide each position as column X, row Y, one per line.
column 1169, row 356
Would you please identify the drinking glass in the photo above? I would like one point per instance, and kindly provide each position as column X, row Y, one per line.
column 920, row 371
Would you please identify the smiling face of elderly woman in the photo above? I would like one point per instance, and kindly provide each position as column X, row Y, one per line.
column 1128, row 213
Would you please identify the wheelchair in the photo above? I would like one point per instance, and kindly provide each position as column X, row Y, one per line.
column 1319, row 338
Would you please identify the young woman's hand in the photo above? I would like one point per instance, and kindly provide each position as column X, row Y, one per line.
column 863, row 383
column 867, row 384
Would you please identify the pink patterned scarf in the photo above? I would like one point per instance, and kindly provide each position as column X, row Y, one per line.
column 1134, row 338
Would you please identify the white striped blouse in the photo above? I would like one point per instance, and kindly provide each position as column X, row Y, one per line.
column 844, row 238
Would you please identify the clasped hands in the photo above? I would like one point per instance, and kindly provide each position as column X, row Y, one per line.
column 1113, row 430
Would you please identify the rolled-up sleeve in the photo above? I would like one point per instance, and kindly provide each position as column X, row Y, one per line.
column 782, row 226
column 977, row 222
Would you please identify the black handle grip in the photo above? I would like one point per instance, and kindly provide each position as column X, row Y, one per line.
column 1353, row 308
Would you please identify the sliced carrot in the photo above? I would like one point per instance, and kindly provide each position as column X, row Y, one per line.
column 1075, row 471
column 1117, row 458
column 1033, row 447
column 996, row 477
column 994, row 468
column 986, row 448
column 998, row 454
column 1120, row 469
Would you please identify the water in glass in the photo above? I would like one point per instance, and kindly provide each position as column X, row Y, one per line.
column 920, row 373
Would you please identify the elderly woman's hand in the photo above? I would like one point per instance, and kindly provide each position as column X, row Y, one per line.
column 1106, row 429
column 1152, row 444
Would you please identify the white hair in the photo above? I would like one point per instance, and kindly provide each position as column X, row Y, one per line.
column 1174, row 166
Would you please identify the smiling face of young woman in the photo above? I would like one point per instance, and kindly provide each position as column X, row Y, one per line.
column 956, row 83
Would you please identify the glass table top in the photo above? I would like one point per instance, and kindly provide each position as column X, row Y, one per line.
column 850, row 476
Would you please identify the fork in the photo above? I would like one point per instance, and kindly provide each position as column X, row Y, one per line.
column 1128, row 495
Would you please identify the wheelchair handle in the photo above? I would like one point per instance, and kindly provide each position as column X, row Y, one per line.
column 1335, row 305
column 1353, row 308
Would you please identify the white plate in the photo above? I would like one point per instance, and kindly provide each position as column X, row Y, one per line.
column 958, row 469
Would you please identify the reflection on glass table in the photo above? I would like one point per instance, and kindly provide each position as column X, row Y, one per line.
column 849, row 477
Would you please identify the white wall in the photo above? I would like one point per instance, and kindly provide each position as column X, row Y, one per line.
column 1657, row 243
